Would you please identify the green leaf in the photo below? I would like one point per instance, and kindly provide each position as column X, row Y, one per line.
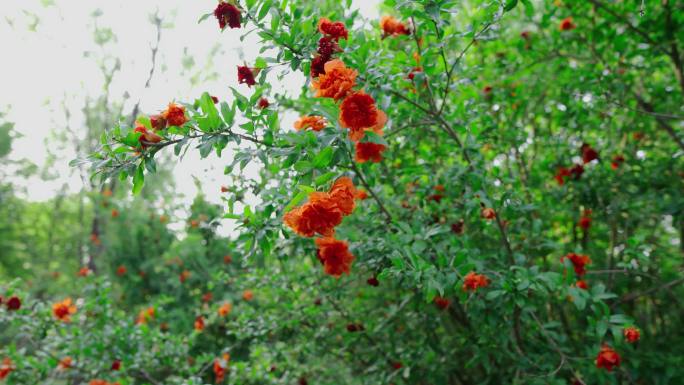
column 510, row 4
column 139, row 179
column 323, row 158
column 295, row 201
column 205, row 17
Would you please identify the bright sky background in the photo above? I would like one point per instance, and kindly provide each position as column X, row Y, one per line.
column 44, row 66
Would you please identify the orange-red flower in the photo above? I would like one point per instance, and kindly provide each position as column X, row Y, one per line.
column 335, row 30
column 64, row 310
column 321, row 214
column 369, row 151
column 314, row 122
column 343, row 193
column 567, row 24
column 361, row 194
column 175, row 115
column 184, row 276
column 13, row 303
column 206, row 297
column 225, row 309
column 488, row 213
column 220, row 367
column 246, row 75
column 227, row 15
column 115, row 213
column 84, row 272
column 579, row 262
column 617, row 161
column 247, row 295
column 65, row 363
column 561, row 174
column 199, row 323
column 607, row 358
column 6, row 368
column 145, row 315
column 631, row 334
column 227, row 259
column 336, row 81
column 442, row 303
column 392, row 27
column 334, row 255
column 358, row 113
column 582, row 284
column 474, row 281
column 585, row 220
column 102, row 382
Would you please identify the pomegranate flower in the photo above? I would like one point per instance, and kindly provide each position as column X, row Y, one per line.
column 64, row 310
column 246, row 75
column 474, row 281
column 631, row 334
column 607, row 358
column 579, row 262
column 227, row 15
column 334, row 255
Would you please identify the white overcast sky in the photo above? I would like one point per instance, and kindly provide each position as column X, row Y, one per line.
column 44, row 68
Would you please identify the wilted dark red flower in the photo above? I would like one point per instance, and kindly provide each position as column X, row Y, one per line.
column 588, row 153
column 227, row 15
column 585, row 219
column 335, row 30
column 263, row 103
column 246, row 75
column 631, row 334
column 487, row 90
column 617, row 161
column 158, row 122
column 358, row 113
column 368, row 151
column 442, row 303
column 116, row 365
column 353, row 328
column 393, row 27
column 607, row 358
column 334, row 255
column 227, row 259
column 567, row 24
column 397, row 365
column 579, row 262
column 576, row 171
column 320, row 214
column 525, row 34
column 327, row 46
column 457, row 228
column 214, row 99
column 473, row 281
column 13, row 303
column 147, row 137
column 373, row 281
column 318, row 65
column 175, row 115
column 303, row 381
column 206, row 297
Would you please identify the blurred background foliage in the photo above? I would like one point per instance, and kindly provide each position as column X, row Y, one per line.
column 522, row 97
